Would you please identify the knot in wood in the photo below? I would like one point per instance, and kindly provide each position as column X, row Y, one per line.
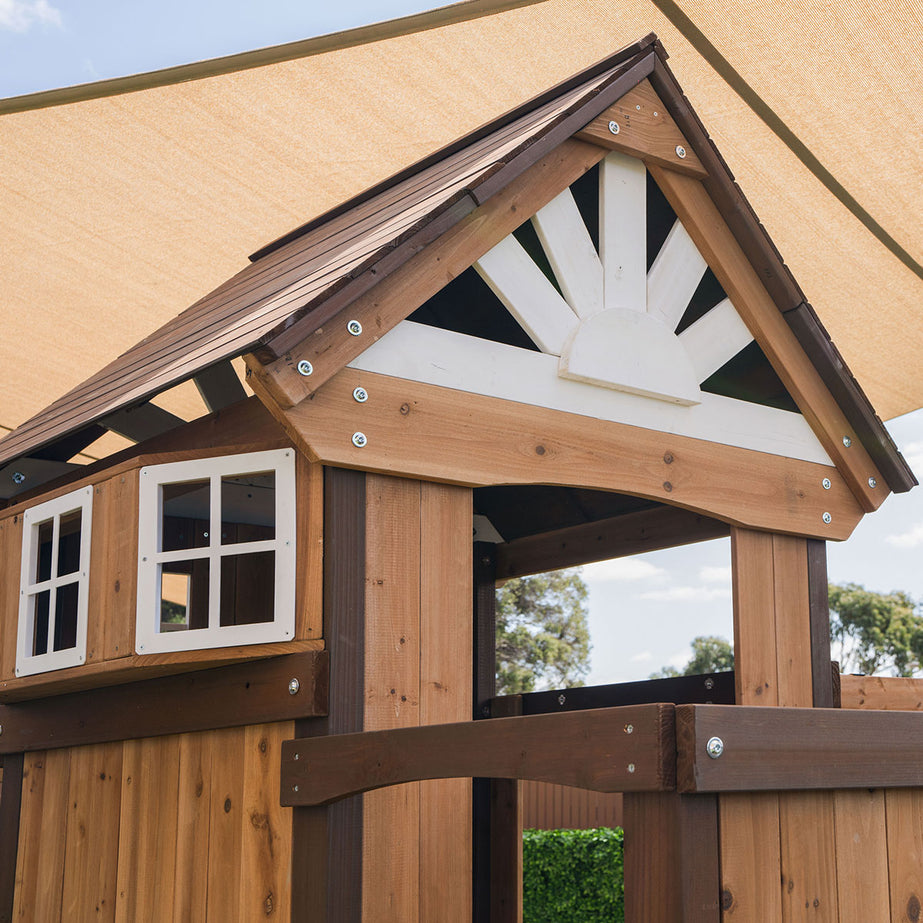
column 913, row 909
column 727, row 899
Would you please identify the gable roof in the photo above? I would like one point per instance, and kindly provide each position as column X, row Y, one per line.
column 300, row 282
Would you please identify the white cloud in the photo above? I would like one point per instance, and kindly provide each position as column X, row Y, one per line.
column 908, row 539
column 687, row 594
column 715, row 574
column 678, row 661
column 623, row 569
column 20, row 15
column 913, row 454
column 643, row 657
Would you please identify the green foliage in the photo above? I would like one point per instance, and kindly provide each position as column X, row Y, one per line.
column 172, row 612
column 875, row 632
column 710, row 654
column 542, row 632
column 573, row 876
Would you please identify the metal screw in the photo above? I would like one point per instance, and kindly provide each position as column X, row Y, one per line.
column 629, row 729
column 1, row 728
column 562, row 699
column 614, row 128
column 631, row 767
column 827, row 483
column 18, row 477
column 359, row 440
column 709, row 683
column 360, row 395
column 293, row 686
column 828, row 518
column 305, row 368
column 295, row 788
column 715, row 747
column 873, row 483
column 680, row 152
column 847, row 441
column 297, row 756
column 354, row 327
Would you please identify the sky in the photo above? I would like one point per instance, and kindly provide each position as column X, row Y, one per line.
column 644, row 611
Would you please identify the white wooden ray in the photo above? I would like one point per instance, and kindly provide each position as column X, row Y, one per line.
column 623, row 231
column 675, row 274
column 714, row 339
column 572, row 254
column 453, row 360
column 528, row 295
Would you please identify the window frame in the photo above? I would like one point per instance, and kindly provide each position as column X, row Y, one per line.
column 149, row 639
column 28, row 664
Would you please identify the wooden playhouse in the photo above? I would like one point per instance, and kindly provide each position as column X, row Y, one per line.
column 247, row 665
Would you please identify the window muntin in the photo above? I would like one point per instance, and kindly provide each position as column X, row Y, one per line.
column 216, row 552
column 54, row 584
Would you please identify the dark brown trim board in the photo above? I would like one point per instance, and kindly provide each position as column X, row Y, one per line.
column 10, row 803
column 821, row 674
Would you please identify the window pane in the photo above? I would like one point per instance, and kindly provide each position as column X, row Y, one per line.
column 65, row 617
column 248, row 507
column 185, row 515
column 248, row 588
column 43, row 556
column 184, row 595
column 69, row 543
column 41, row 604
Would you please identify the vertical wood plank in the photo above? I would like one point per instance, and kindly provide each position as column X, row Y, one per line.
column 809, row 872
column 861, row 856
column 224, row 827
column 265, row 891
column 821, row 667
column 117, row 553
column 904, row 808
column 10, row 557
column 445, row 696
column 792, row 621
column 506, row 851
column 92, row 839
column 10, row 809
column 622, row 231
column 42, row 835
column 147, row 829
column 309, row 480
column 193, row 808
column 391, row 817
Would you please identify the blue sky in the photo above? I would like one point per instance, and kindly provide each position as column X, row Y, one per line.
column 644, row 611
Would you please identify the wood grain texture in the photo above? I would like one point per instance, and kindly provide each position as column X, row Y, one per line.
column 11, row 784
column 822, row 671
column 792, row 621
column 703, row 221
column 505, row 851
column 882, row 692
column 645, row 130
column 441, row 434
column 147, row 830
column 116, row 559
column 10, row 558
column 309, row 577
column 904, row 810
column 225, row 827
column 193, row 801
column 809, row 864
column 91, row 842
column 861, row 855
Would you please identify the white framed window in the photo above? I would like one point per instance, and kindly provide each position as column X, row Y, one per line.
column 216, row 552
column 54, row 583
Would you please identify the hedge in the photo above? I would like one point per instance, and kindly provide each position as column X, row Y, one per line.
column 573, row 876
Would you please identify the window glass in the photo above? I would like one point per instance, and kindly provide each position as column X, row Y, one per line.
column 185, row 515
column 45, row 532
column 69, row 543
column 41, row 607
column 247, row 588
column 65, row 617
column 248, row 507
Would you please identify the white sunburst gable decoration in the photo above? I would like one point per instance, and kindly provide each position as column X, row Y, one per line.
column 606, row 333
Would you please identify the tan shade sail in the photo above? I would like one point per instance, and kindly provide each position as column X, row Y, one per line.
column 118, row 212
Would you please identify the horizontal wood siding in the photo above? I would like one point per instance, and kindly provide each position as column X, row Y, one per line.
column 562, row 807
column 186, row 827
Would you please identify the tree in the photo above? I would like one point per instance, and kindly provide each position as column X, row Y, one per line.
column 710, row 654
column 875, row 632
column 542, row 633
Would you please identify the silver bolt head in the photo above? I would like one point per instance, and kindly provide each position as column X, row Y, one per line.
column 360, row 395
column 847, row 441
column 354, row 327
column 562, row 699
column 359, row 440
column 631, row 767
column 629, row 729
column 305, row 368
column 680, row 152
column 709, row 683
column 873, row 483
column 715, row 747
column 18, row 477
column 828, row 518
column 827, row 483
column 614, row 128
column 293, row 686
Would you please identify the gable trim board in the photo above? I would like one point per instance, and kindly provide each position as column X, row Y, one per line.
column 294, row 290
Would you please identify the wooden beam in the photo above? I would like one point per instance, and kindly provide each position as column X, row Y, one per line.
column 144, row 421
column 439, row 434
column 777, row 749
column 329, row 348
column 219, row 386
column 593, row 749
column 821, row 673
column 703, row 221
column 674, row 276
column 622, row 231
column 890, row 693
column 251, row 693
column 644, row 128
column 10, row 806
column 631, row 533
column 715, row 338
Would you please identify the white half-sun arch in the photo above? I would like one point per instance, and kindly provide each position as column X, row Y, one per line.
column 607, row 340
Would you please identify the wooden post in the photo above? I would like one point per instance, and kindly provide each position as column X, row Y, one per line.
column 10, row 802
